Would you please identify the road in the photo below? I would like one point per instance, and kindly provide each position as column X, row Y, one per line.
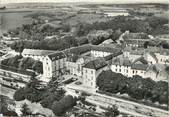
column 7, row 91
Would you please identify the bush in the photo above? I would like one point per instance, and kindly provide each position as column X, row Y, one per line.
column 19, row 95
column 136, row 87
column 60, row 107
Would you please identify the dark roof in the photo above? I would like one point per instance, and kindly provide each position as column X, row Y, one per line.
column 72, row 58
column 57, row 56
column 139, row 66
column 111, row 56
column 121, row 62
column 95, row 64
column 140, row 60
column 88, row 47
column 153, row 55
column 164, row 52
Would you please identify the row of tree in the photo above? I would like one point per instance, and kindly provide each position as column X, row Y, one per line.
column 136, row 87
column 20, row 63
column 49, row 97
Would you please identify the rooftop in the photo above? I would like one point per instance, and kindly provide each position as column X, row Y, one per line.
column 122, row 62
column 141, row 35
column 37, row 52
column 88, row 47
column 57, row 55
column 139, row 66
column 96, row 64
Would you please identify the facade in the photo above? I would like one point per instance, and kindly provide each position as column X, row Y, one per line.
column 134, row 39
column 91, row 70
column 77, row 59
column 54, row 64
column 128, row 68
column 163, row 56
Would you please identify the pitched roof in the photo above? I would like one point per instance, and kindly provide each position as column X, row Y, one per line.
column 37, row 52
column 139, row 66
column 111, row 56
column 122, row 62
column 88, row 47
column 95, row 64
column 153, row 55
column 140, row 60
column 135, row 36
column 57, row 56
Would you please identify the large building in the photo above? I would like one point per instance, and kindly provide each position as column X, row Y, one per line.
column 134, row 39
column 36, row 54
column 128, row 68
column 91, row 70
column 78, row 56
column 54, row 62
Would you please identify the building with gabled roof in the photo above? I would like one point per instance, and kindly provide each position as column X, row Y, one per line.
column 36, row 53
column 134, row 39
column 91, row 70
column 129, row 68
column 54, row 62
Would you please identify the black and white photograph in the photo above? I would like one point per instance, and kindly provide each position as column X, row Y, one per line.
column 84, row 58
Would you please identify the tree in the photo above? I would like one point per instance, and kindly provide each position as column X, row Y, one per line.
column 19, row 95
column 112, row 111
column 25, row 110
column 60, row 107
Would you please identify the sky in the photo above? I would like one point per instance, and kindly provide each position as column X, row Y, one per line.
column 109, row 1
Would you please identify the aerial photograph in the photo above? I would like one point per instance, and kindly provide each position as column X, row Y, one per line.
column 84, row 58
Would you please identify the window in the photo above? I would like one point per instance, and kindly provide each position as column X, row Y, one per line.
column 126, row 71
column 119, row 70
column 86, row 71
column 136, row 72
column 133, row 71
column 91, row 84
column 91, row 72
column 116, row 70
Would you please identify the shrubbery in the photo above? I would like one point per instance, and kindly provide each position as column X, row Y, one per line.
column 67, row 102
column 136, row 87
column 49, row 97
column 19, row 95
column 22, row 64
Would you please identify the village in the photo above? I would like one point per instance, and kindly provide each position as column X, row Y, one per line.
column 84, row 60
column 80, row 66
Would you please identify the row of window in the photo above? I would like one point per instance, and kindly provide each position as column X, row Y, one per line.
column 90, row 71
column 134, row 71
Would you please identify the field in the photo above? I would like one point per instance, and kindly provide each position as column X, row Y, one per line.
column 13, row 20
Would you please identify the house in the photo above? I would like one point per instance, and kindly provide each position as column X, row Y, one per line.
column 128, row 68
column 54, row 64
column 151, row 57
column 78, row 56
column 75, row 63
column 133, row 39
column 163, row 56
column 91, row 70
column 121, row 65
column 132, row 54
